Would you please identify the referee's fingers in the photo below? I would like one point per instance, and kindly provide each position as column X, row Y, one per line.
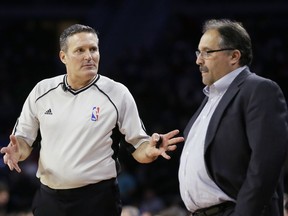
column 13, row 165
column 165, row 155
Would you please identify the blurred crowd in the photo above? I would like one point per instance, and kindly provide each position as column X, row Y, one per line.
column 164, row 80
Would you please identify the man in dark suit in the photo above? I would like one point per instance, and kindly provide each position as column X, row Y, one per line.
column 236, row 142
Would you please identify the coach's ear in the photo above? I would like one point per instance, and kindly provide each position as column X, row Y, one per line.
column 235, row 56
column 62, row 56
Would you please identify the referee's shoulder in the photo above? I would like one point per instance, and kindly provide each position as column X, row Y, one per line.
column 49, row 84
column 110, row 84
column 52, row 80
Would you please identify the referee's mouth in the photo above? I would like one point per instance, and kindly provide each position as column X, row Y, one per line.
column 89, row 66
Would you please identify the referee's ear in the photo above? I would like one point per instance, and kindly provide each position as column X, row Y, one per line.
column 62, row 56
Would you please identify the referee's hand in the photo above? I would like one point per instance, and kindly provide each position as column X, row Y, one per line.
column 163, row 143
column 12, row 154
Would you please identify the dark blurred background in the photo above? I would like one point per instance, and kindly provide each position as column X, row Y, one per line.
column 148, row 45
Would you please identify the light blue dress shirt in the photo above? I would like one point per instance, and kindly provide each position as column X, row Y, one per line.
column 196, row 187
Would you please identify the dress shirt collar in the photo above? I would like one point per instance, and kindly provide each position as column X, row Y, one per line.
column 221, row 85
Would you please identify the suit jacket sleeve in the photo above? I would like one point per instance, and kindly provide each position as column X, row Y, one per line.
column 246, row 144
column 266, row 129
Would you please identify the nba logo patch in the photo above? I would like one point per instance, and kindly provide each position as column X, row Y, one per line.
column 95, row 113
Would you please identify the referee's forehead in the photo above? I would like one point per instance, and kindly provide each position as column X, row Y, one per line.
column 78, row 36
column 83, row 39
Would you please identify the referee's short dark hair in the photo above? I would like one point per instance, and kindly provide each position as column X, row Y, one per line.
column 71, row 30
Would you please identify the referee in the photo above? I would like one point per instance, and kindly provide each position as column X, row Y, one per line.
column 82, row 117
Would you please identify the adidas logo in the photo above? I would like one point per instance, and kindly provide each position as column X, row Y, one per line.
column 48, row 112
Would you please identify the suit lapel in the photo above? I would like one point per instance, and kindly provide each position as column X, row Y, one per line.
column 227, row 97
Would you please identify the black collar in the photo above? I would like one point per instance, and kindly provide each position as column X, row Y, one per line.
column 67, row 87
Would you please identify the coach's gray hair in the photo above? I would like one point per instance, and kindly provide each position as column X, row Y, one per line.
column 233, row 35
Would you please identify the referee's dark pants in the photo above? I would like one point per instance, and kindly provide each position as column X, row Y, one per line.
column 101, row 199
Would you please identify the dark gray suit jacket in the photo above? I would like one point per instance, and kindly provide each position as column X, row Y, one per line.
column 246, row 144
